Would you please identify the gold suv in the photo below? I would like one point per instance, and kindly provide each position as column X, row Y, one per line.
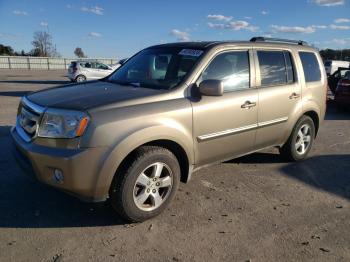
column 168, row 111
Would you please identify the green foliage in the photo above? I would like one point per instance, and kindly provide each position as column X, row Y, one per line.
column 6, row 50
column 330, row 54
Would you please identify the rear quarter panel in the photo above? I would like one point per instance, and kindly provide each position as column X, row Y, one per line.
column 314, row 94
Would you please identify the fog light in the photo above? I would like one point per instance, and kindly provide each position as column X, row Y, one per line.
column 58, row 175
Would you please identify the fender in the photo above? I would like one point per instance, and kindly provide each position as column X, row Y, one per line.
column 122, row 148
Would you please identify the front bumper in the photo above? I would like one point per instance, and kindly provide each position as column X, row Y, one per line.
column 80, row 167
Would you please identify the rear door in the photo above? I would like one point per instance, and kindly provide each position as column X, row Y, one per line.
column 279, row 95
column 225, row 126
column 88, row 69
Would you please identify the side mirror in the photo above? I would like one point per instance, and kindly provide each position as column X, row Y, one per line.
column 123, row 61
column 211, row 88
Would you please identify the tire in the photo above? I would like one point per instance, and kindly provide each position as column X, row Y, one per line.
column 138, row 192
column 299, row 144
column 80, row 78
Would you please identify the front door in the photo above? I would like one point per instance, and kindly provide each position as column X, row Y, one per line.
column 225, row 126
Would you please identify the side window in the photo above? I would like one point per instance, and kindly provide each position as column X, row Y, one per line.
column 232, row 68
column 276, row 68
column 272, row 68
column 311, row 67
column 101, row 66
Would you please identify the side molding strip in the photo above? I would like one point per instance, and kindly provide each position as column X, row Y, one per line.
column 226, row 133
column 241, row 129
column 273, row 122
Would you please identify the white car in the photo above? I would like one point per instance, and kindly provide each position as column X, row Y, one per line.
column 84, row 70
column 332, row 65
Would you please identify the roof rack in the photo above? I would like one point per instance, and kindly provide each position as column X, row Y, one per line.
column 277, row 40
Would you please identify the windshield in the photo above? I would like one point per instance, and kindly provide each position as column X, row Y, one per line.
column 159, row 68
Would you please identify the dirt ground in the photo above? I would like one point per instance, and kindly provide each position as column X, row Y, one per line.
column 255, row 208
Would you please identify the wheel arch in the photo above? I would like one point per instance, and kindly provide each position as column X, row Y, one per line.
column 181, row 146
column 315, row 118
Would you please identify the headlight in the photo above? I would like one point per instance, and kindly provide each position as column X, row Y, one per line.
column 59, row 123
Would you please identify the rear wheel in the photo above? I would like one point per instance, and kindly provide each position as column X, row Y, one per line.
column 80, row 78
column 146, row 186
column 300, row 141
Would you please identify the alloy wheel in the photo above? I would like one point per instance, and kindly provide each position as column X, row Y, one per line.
column 153, row 186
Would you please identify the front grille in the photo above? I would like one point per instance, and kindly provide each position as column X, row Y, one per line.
column 28, row 119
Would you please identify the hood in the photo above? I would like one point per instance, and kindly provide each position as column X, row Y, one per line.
column 89, row 95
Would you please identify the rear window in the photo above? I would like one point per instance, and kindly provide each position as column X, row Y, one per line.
column 311, row 67
column 276, row 68
column 73, row 64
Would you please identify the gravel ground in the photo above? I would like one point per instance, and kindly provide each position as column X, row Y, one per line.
column 255, row 208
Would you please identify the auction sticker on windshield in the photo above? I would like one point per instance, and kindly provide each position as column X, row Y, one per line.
column 191, row 52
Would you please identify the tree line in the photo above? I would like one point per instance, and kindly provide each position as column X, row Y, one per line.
column 43, row 46
column 330, row 54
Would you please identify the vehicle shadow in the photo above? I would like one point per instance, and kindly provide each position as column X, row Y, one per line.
column 258, row 158
column 45, row 82
column 26, row 203
column 329, row 173
column 334, row 113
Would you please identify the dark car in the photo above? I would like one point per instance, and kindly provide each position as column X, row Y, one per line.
column 342, row 93
column 335, row 77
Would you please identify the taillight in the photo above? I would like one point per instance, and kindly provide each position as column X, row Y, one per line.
column 74, row 69
column 344, row 82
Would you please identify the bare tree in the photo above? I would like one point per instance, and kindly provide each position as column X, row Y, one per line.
column 79, row 52
column 42, row 44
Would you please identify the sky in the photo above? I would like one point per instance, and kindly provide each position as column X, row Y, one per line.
column 118, row 29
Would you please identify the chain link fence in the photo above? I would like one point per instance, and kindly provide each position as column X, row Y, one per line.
column 44, row 63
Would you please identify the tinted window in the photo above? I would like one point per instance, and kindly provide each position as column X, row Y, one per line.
column 311, row 67
column 272, row 68
column 232, row 68
column 328, row 63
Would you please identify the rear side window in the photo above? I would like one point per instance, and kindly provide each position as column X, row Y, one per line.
column 311, row 67
column 328, row 63
column 276, row 68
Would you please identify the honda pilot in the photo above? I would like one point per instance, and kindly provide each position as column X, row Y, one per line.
column 170, row 110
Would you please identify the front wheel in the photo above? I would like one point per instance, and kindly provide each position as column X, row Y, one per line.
column 145, row 186
column 300, row 141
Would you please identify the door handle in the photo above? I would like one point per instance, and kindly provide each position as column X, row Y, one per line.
column 294, row 96
column 248, row 105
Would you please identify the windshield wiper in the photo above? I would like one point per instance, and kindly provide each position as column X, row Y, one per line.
column 125, row 83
